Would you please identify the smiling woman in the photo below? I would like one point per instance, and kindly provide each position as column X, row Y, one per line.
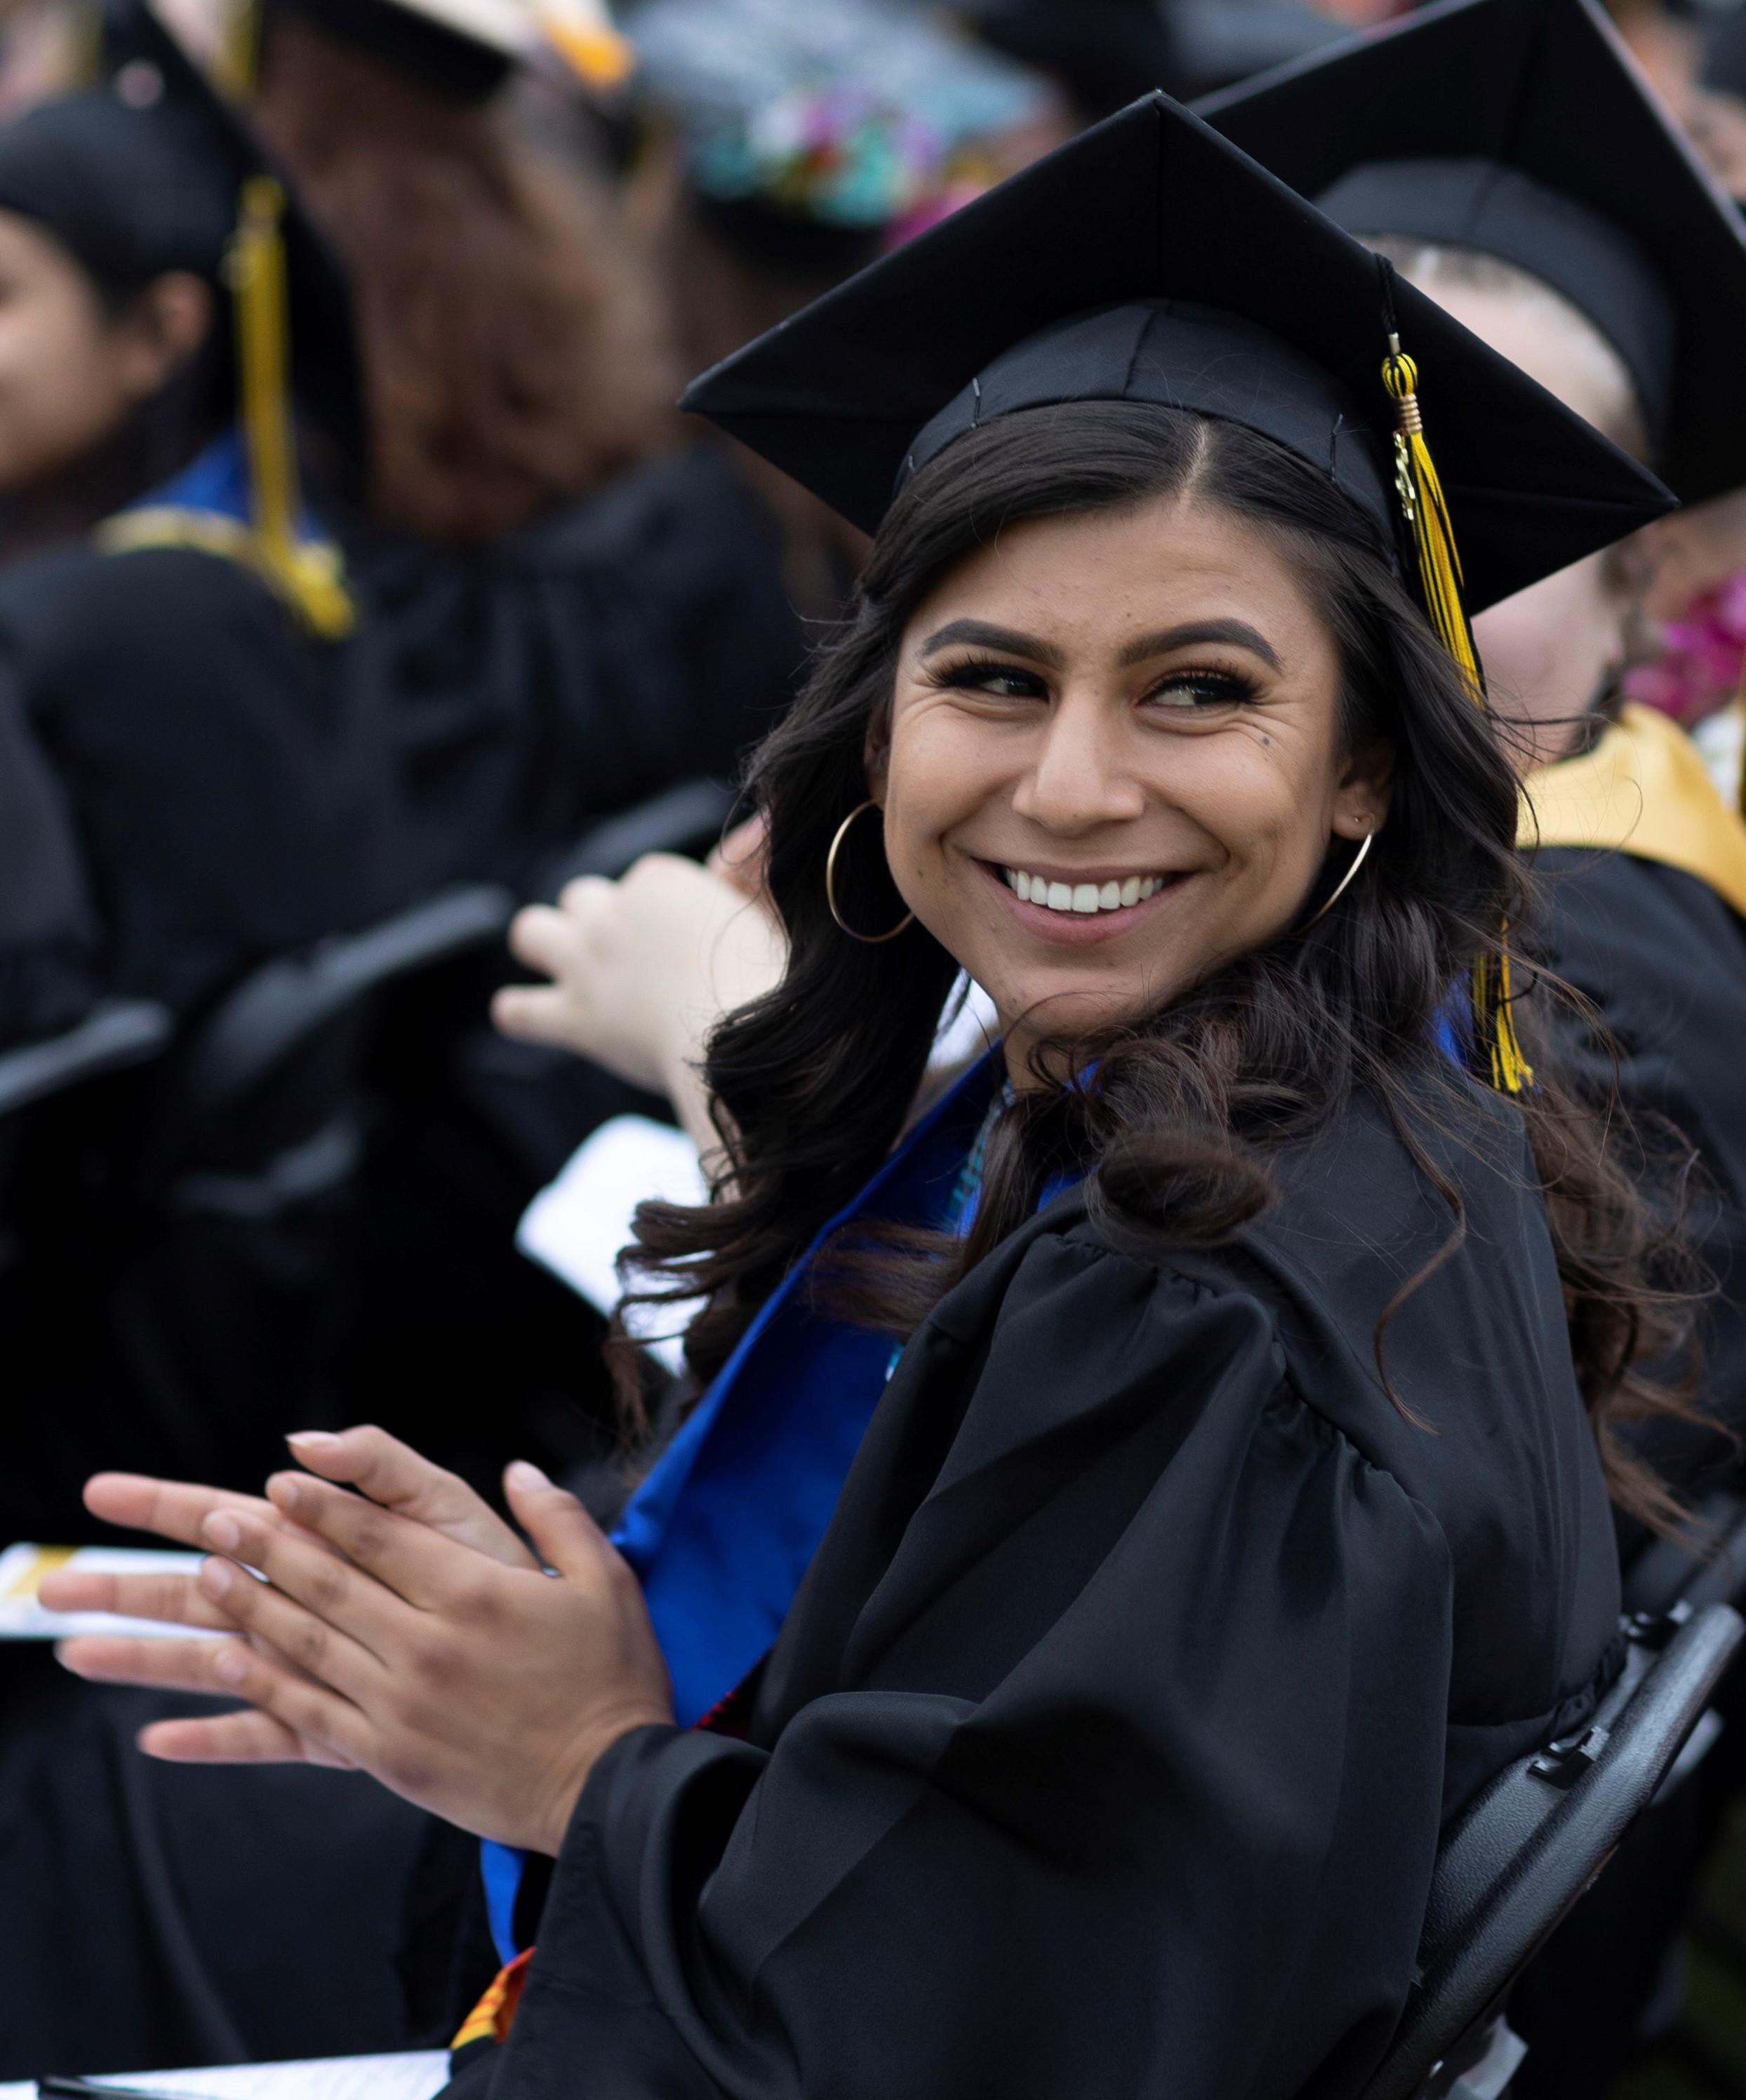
column 1133, row 1506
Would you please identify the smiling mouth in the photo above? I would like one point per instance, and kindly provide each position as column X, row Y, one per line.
column 1084, row 899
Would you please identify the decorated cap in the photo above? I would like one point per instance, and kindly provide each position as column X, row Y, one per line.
column 1523, row 130
column 813, row 134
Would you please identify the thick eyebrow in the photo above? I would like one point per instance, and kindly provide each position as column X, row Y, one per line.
column 1234, row 634
column 983, row 636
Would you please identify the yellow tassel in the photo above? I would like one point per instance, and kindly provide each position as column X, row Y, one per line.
column 236, row 68
column 1427, row 515
column 310, row 575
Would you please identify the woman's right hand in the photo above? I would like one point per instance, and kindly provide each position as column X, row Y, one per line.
column 641, row 969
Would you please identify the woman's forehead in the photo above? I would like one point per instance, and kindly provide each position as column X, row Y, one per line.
column 1098, row 575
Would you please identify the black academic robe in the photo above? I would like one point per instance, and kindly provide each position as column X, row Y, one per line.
column 217, row 792
column 48, row 932
column 1662, row 959
column 523, row 690
column 1105, row 1749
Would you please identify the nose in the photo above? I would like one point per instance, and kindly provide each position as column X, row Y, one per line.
column 1080, row 776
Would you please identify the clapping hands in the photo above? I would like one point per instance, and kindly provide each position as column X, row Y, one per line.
column 401, row 1629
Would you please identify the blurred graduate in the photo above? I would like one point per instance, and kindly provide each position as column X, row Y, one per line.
column 1513, row 164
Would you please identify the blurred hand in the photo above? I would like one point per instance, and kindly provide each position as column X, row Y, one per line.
column 641, row 969
column 743, row 859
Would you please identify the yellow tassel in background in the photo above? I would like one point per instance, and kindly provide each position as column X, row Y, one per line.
column 310, row 574
column 1427, row 515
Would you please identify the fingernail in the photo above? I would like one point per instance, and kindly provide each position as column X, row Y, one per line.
column 285, row 1489
column 522, row 1473
column 215, row 1577
column 317, row 1440
column 221, row 1531
column 228, row 1664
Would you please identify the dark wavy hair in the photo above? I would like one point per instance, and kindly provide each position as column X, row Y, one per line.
column 813, row 1085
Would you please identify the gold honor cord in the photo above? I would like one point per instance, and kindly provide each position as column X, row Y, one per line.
column 310, row 576
column 1427, row 515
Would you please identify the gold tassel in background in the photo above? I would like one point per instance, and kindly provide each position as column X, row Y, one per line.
column 310, row 575
column 1427, row 516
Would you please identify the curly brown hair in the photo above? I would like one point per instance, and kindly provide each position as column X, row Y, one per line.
column 1193, row 1103
column 513, row 353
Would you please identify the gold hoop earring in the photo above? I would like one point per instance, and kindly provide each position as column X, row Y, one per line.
column 1345, row 882
column 871, row 940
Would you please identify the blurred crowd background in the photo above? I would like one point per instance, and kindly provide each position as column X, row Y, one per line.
column 359, row 582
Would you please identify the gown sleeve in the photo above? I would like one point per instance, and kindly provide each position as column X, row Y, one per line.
column 1175, row 1836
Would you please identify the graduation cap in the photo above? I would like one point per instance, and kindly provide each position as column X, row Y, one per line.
column 128, row 187
column 1523, row 129
column 292, row 305
column 1150, row 260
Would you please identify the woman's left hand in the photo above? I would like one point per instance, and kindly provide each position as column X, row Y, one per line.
column 481, row 1691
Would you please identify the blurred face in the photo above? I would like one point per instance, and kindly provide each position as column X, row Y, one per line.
column 70, row 372
column 1549, row 651
column 1115, row 762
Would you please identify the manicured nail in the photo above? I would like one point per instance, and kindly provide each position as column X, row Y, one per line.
column 222, row 1531
column 522, row 1473
column 215, row 1577
column 229, row 1664
column 313, row 1439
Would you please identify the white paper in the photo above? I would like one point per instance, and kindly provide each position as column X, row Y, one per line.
column 576, row 1226
column 23, row 1568
column 417, row 2075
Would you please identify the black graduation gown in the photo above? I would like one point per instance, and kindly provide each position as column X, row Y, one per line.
column 522, row 689
column 1662, row 958
column 213, row 782
column 48, row 960
column 1106, row 1746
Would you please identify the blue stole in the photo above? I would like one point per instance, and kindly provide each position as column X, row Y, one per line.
column 730, row 1517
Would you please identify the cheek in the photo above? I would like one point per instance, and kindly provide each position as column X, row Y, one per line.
column 59, row 396
column 941, row 770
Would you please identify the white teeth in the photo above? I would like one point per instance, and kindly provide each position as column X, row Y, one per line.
column 1081, row 896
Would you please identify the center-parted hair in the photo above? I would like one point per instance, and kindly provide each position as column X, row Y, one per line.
column 813, row 1085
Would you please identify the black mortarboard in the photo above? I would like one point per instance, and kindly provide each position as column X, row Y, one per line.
column 1150, row 260
column 1104, row 52
column 295, row 339
column 143, row 60
column 131, row 190
column 1522, row 128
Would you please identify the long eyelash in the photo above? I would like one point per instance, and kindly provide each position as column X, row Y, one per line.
column 1226, row 685
column 974, row 669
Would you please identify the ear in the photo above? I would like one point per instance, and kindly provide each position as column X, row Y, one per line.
column 1365, row 790
column 164, row 328
column 875, row 756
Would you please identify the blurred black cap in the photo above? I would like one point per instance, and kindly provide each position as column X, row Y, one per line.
column 1104, row 53
column 463, row 51
column 1151, row 261
column 145, row 64
column 128, row 185
column 1523, row 129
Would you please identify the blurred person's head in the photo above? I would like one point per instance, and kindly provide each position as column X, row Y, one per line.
column 513, row 356
column 1508, row 158
column 114, row 224
column 1555, row 651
